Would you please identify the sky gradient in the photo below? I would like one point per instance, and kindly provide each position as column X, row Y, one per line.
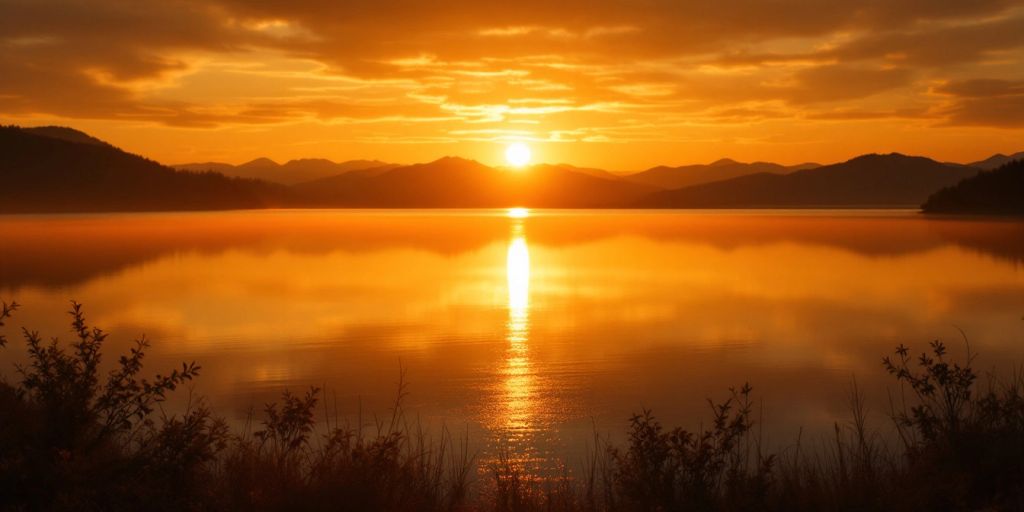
column 622, row 85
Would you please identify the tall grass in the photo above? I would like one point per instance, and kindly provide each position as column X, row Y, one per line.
column 72, row 438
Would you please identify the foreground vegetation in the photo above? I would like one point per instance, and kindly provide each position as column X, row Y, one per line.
column 72, row 438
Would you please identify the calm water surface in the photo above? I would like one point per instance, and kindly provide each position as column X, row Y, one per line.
column 528, row 330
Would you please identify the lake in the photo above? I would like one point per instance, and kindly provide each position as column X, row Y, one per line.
column 528, row 331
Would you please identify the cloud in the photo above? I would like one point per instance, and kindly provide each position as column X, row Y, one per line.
column 867, row 115
column 585, row 64
column 983, row 88
column 985, row 102
column 844, row 82
column 940, row 45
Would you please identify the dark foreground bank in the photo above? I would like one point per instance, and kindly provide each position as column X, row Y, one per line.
column 72, row 438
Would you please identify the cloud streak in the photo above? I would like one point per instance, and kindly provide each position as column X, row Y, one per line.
column 605, row 71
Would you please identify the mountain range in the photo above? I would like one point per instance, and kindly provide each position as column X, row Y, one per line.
column 872, row 181
column 62, row 169
column 997, row 160
column 57, row 170
column 288, row 173
column 453, row 182
column 689, row 175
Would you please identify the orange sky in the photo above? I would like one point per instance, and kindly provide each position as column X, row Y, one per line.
column 615, row 84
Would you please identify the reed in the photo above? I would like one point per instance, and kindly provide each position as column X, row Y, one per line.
column 72, row 438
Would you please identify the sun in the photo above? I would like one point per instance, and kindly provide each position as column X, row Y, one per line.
column 518, row 154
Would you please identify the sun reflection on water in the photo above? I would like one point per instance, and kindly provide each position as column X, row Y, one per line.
column 518, row 271
column 514, row 415
column 518, row 213
column 518, row 372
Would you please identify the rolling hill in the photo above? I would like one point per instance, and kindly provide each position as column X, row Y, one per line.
column 57, row 169
column 65, row 133
column 597, row 173
column 453, row 182
column 874, row 180
column 997, row 160
column 289, row 173
column 689, row 175
column 61, row 171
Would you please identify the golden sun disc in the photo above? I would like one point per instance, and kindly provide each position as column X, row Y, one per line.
column 518, row 154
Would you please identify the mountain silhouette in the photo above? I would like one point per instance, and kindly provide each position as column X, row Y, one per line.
column 999, row 191
column 453, row 182
column 60, row 171
column 724, row 169
column 57, row 169
column 65, row 133
column 874, row 180
column 997, row 160
column 597, row 173
column 289, row 173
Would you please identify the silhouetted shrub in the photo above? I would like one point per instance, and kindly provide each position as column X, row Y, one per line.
column 77, row 439
column 678, row 469
column 391, row 470
column 964, row 448
column 72, row 438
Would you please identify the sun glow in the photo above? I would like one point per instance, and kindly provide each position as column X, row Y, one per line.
column 518, row 154
column 518, row 213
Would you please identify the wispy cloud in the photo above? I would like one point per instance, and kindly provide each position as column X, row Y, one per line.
column 581, row 71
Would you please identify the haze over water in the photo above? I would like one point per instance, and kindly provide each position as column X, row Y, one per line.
column 528, row 329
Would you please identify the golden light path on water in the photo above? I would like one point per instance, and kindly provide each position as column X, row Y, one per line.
column 518, row 373
column 514, row 419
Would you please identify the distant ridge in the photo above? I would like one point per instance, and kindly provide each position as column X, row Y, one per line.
column 41, row 172
column 55, row 169
column 723, row 169
column 453, row 182
column 259, row 162
column 997, row 160
column 289, row 173
column 892, row 180
column 597, row 173
column 65, row 133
